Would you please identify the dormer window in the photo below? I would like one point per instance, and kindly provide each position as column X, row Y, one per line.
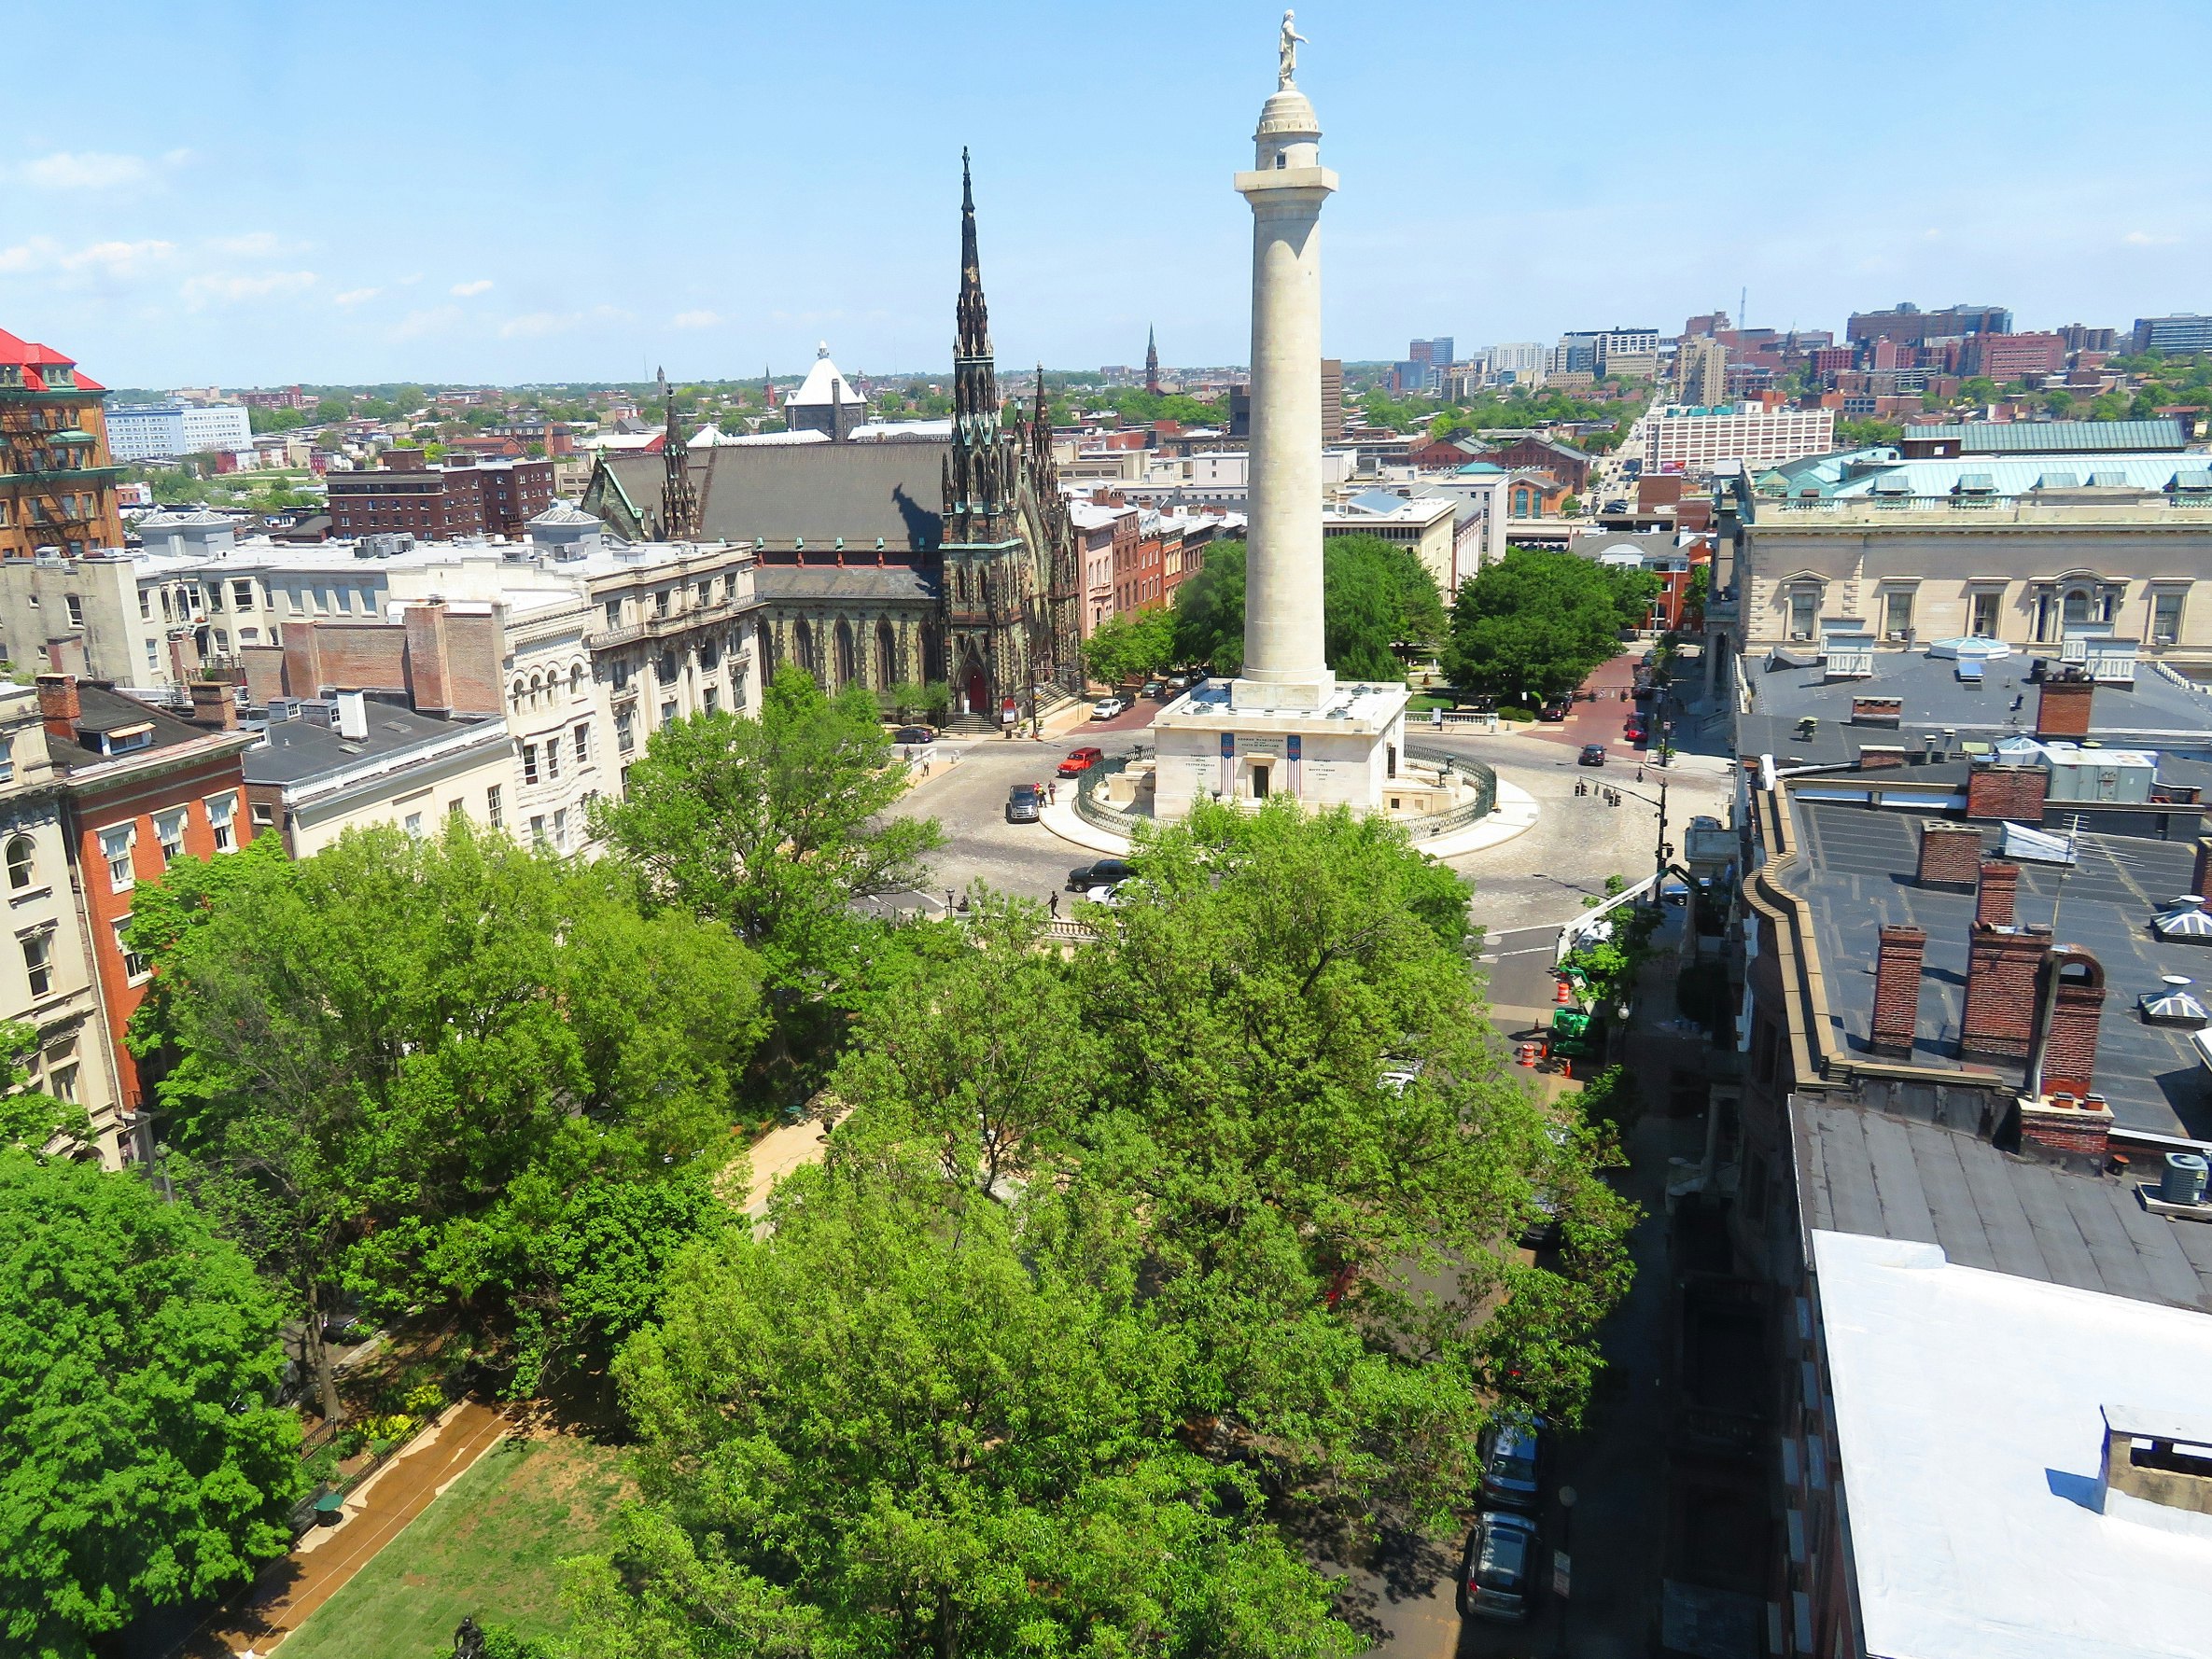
column 125, row 739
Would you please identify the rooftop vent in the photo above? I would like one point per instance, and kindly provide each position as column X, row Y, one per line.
column 2184, row 921
column 2173, row 1003
column 2157, row 1467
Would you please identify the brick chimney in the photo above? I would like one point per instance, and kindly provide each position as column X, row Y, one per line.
column 59, row 705
column 2064, row 1121
column 1896, row 989
column 2069, row 1044
column 429, row 676
column 2204, row 870
column 2014, row 792
column 2000, row 1012
column 2062, row 709
column 1993, row 892
column 1950, row 856
column 213, row 704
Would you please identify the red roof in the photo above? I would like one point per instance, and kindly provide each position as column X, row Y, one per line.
column 23, row 353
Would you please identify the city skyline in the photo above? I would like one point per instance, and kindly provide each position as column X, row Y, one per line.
column 593, row 201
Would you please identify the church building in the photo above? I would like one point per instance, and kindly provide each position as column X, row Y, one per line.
column 887, row 552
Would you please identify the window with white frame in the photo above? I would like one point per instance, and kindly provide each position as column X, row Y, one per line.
column 136, row 969
column 1981, row 615
column 625, row 732
column 169, row 829
column 560, row 834
column 584, row 745
column 1896, row 613
column 115, row 847
column 1804, row 612
column 529, row 762
column 38, row 959
column 22, row 861
column 2166, row 617
column 552, row 758
column 492, row 813
column 222, row 814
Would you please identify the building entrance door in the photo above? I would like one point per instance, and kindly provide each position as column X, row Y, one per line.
column 1259, row 781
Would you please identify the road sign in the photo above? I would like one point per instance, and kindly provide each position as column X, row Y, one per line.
column 1560, row 1573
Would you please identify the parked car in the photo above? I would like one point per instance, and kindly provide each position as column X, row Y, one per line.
column 1104, row 893
column 1593, row 754
column 914, row 734
column 1154, row 687
column 1081, row 761
column 1024, row 804
column 1556, row 708
column 1513, row 1457
column 1106, row 871
column 1108, row 708
column 1498, row 1579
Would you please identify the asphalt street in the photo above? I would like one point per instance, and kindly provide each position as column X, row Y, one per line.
column 1524, row 889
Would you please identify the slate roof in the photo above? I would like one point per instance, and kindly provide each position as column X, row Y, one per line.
column 831, row 584
column 1866, row 1172
column 822, row 491
column 102, row 710
column 1934, row 697
column 299, row 750
column 1856, row 873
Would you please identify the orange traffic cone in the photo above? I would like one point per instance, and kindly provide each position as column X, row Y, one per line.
column 1527, row 1055
column 1562, row 993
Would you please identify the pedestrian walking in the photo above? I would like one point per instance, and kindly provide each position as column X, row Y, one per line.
column 1052, row 792
column 1054, row 907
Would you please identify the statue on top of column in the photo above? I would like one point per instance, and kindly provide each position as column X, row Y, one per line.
column 1287, row 51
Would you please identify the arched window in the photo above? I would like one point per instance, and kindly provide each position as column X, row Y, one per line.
column 803, row 646
column 2078, row 605
column 710, row 652
column 576, row 680
column 886, row 657
column 848, row 668
column 664, row 668
column 521, row 691
column 537, row 688
column 20, row 855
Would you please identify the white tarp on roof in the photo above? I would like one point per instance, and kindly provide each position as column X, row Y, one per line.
column 2036, row 846
column 1969, row 1409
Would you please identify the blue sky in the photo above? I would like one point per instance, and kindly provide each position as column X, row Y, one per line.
column 259, row 193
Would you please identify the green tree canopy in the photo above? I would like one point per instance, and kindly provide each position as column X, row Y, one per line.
column 773, row 826
column 1376, row 594
column 429, row 1068
column 141, row 1466
column 1536, row 623
column 1123, row 649
column 897, row 1425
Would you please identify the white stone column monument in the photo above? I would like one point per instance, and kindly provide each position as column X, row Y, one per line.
column 1284, row 664
column 1285, row 725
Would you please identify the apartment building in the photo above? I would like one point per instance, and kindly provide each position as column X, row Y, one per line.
column 46, row 977
column 139, row 787
column 436, row 503
column 57, row 480
column 1681, row 437
column 139, row 432
column 320, row 768
column 582, row 646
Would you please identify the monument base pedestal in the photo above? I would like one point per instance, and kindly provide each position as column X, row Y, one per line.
column 1250, row 740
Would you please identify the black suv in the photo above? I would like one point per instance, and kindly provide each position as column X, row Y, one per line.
column 1104, row 873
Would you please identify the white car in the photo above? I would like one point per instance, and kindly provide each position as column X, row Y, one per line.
column 1108, row 708
column 1105, row 892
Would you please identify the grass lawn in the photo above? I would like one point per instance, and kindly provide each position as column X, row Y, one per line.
column 491, row 1545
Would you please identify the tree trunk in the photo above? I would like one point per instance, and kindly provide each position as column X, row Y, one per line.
column 319, row 1358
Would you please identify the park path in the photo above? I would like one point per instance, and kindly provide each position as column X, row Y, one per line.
column 291, row 1589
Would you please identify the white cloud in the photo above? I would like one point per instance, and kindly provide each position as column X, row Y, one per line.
column 355, row 296
column 85, row 169
column 470, row 291
column 118, row 259
column 2146, row 239
column 204, row 290
column 698, row 319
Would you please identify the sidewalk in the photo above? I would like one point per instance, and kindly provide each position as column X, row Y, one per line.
column 291, row 1589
